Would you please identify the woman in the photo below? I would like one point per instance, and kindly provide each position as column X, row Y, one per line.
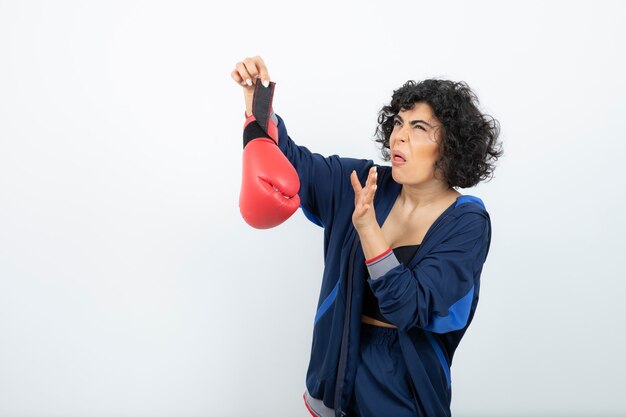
column 403, row 253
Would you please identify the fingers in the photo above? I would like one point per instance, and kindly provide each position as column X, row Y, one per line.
column 243, row 73
column 364, row 196
column 257, row 69
column 246, row 72
column 369, row 190
column 238, row 79
column 355, row 183
column 372, row 177
column 370, row 183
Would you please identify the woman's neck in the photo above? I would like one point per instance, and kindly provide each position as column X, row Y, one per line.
column 416, row 198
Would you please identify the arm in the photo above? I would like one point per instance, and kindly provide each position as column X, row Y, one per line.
column 437, row 294
column 323, row 180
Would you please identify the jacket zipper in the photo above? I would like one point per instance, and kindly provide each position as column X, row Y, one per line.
column 344, row 338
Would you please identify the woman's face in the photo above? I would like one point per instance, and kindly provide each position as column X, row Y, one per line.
column 416, row 135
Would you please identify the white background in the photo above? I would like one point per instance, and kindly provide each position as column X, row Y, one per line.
column 131, row 286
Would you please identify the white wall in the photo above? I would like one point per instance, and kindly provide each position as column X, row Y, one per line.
column 131, row 286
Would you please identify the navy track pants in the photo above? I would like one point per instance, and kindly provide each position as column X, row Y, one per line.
column 382, row 385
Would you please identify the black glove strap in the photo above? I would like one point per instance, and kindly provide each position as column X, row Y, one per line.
column 254, row 131
column 262, row 103
column 262, row 111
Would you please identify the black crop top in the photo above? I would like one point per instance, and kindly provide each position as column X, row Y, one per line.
column 370, row 302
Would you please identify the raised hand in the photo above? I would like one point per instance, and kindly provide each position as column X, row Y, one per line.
column 364, row 215
column 246, row 74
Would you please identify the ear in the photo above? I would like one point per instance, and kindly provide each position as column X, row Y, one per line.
column 438, row 167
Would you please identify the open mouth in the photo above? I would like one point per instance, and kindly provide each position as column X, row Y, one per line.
column 397, row 157
column 398, row 160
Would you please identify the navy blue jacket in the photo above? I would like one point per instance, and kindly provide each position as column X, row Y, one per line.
column 431, row 300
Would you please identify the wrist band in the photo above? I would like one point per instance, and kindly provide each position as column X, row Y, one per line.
column 374, row 259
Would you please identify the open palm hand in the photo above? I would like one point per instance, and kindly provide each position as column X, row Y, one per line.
column 364, row 215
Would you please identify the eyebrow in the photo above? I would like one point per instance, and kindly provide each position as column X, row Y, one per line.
column 412, row 122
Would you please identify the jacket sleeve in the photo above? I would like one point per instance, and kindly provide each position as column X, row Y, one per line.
column 437, row 294
column 323, row 180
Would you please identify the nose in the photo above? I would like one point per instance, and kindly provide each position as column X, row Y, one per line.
column 400, row 135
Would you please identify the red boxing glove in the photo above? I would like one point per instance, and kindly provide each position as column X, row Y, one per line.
column 269, row 183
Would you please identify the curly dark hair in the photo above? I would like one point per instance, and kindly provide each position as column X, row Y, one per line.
column 469, row 145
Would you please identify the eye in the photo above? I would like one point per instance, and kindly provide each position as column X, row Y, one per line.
column 419, row 126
